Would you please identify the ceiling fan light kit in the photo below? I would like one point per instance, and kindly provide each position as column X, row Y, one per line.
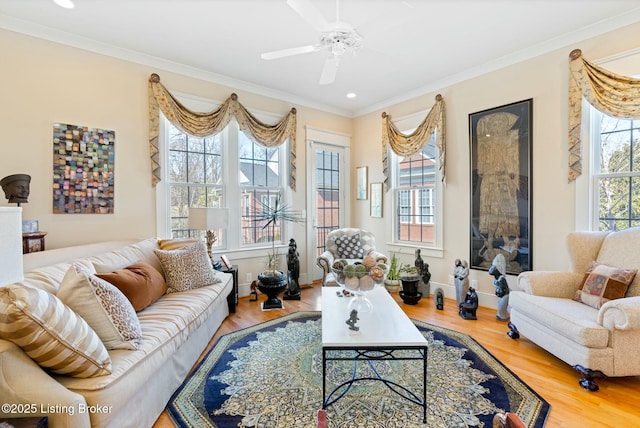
column 337, row 38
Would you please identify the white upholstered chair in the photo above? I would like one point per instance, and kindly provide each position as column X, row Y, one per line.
column 347, row 243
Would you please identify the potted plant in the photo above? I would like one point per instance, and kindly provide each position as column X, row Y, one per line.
column 273, row 281
column 410, row 278
column 392, row 281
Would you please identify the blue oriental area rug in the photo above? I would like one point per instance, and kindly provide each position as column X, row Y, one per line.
column 270, row 375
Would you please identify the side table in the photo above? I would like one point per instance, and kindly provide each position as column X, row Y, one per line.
column 232, row 298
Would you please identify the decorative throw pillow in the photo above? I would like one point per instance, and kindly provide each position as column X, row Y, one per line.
column 175, row 244
column 603, row 283
column 141, row 283
column 187, row 268
column 50, row 333
column 349, row 247
column 103, row 306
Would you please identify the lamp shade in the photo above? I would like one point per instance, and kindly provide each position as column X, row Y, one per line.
column 208, row 218
column 10, row 245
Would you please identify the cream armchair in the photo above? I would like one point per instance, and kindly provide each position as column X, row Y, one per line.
column 596, row 341
column 347, row 243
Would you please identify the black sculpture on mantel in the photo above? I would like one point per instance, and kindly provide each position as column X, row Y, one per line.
column 16, row 188
column 293, row 272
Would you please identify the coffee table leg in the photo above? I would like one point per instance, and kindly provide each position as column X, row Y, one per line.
column 324, row 373
column 424, row 388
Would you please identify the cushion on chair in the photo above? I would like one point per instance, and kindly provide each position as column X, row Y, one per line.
column 349, row 247
column 603, row 283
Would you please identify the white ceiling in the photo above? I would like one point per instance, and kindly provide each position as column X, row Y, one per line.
column 409, row 47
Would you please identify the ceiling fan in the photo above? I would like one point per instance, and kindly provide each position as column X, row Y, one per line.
column 337, row 38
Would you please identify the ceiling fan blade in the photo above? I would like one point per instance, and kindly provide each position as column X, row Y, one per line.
column 289, row 52
column 329, row 70
column 309, row 13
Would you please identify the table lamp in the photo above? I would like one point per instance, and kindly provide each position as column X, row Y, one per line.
column 209, row 219
column 10, row 245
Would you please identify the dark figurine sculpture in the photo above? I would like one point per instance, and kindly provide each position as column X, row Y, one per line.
column 470, row 305
column 253, row 295
column 497, row 270
column 439, row 299
column 423, row 271
column 16, row 188
column 293, row 276
column 353, row 319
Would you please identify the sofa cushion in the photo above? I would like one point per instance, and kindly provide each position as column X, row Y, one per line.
column 51, row 333
column 187, row 268
column 349, row 247
column 103, row 306
column 622, row 249
column 575, row 321
column 603, row 283
column 140, row 282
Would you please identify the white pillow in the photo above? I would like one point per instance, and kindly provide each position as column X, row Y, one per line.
column 103, row 306
column 187, row 268
column 50, row 333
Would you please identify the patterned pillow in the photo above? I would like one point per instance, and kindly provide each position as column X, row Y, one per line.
column 349, row 247
column 103, row 306
column 141, row 283
column 187, row 268
column 603, row 283
column 50, row 333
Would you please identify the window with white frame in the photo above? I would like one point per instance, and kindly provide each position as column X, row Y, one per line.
column 225, row 170
column 415, row 185
column 615, row 172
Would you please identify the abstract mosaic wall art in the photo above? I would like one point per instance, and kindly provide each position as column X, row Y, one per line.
column 83, row 161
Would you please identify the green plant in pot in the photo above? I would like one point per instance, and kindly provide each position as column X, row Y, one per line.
column 410, row 278
column 392, row 281
column 273, row 281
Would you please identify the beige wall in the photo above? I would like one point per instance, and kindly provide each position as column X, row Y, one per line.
column 545, row 79
column 43, row 83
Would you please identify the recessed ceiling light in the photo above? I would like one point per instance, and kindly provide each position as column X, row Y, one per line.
column 67, row 4
column 351, row 95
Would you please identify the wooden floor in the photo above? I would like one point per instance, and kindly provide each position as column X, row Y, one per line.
column 616, row 404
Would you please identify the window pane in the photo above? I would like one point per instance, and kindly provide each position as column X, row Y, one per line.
column 255, row 201
column 619, row 202
column 195, row 168
column 614, row 155
column 177, row 166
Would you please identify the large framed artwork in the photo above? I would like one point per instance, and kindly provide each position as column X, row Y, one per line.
column 501, row 166
column 83, row 162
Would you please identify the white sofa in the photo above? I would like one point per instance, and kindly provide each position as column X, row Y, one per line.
column 175, row 331
column 595, row 341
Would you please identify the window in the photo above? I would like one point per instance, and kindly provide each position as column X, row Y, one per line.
column 194, row 177
column 615, row 172
column 415, row 186
column 207, row 172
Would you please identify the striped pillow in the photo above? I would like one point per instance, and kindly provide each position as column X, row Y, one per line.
column 51, row 333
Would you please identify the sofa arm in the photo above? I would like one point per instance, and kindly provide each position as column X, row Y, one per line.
column 325, row 261
column 23, row 382
column 378, row 256
column 620, row 314
column 550, row 284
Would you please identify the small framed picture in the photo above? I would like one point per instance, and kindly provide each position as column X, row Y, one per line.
column 361, row 188
column 376, row 200
column 226, row 262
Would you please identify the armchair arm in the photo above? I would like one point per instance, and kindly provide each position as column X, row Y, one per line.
column 550, row 284
column 325, row 261
column 620, row 314
column 378, row 256
column 22, row 381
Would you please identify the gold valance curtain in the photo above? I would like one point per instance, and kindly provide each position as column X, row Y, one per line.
column 608, row 92
column 408, row 144
column 209, row 123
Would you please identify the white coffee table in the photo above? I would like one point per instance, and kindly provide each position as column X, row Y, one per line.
column 382, row 332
